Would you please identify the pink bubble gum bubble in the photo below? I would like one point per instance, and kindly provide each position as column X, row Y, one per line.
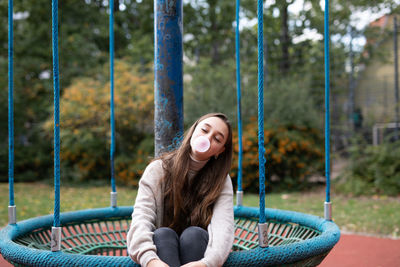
column 201, row 144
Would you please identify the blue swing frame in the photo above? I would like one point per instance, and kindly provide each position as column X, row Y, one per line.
column 289, row 254
column 294, row 254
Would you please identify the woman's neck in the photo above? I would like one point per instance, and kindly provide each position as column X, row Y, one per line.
column 195, row 165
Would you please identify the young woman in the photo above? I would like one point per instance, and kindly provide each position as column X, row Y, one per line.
column 183, row 214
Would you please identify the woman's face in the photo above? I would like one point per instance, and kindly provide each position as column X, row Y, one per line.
column 216, row 131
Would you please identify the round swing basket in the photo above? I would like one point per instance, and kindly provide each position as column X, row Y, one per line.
column 97, row 237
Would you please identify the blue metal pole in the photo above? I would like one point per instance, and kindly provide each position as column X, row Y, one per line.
column 56, row 229
column 168, row 75
column 113, row 196
column 10, row 103
column 56, row 85
column 11, row 207
column 328, row 213
column 262, row 225
column 239, row 96
column 261, row 149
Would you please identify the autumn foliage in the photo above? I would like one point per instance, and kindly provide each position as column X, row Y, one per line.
column 85, row 125
column 292, row 155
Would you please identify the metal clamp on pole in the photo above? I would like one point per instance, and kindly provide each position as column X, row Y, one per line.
column 263, row 235
column 55, row 238
column 239, row 198
column 113, row 196
column 328, row 211
column 12, row 214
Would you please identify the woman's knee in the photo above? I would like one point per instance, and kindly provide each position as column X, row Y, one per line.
column 193, row 244
column 167, row 244
column 165, row 233
column 193, row 234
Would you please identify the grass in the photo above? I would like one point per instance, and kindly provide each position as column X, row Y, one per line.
column 36, row 199
column 377, row 215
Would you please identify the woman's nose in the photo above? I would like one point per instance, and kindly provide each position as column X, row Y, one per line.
column 208, row 136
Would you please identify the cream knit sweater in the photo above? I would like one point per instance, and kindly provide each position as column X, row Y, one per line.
column 148, row 212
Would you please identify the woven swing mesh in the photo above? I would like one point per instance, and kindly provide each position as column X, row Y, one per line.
column 98, row 238
column 108, row 237
column 94, row 237
column 246, row 233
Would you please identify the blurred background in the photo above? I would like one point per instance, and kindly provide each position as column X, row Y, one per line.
column 364, row 92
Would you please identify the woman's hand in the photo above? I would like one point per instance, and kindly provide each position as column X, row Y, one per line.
column 157, row 263
column 194, row 264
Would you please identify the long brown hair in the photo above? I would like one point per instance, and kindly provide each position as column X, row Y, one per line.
column 190, row 202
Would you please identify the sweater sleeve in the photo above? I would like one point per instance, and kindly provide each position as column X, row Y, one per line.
column 140, row 243
column 221, row 228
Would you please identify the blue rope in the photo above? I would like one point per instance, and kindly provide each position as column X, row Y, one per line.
column 239, row 97
column 56, row 86
column 327, row 110
column 112, row 147
column 261, row 150
column 10, row 104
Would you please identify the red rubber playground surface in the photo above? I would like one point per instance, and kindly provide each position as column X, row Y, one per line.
column 364, row 251
column 351, row 251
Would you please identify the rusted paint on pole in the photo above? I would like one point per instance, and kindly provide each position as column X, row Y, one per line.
column 168, row 75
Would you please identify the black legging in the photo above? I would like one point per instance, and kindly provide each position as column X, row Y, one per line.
column 176, row 251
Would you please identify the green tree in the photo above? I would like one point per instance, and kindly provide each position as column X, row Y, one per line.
column 85, row 123
column 208, row 29
column 83, row 48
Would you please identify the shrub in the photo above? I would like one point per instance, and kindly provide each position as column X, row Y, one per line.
column 85, row 124
column 129, row 169
column 371, row 170
column 292, row 154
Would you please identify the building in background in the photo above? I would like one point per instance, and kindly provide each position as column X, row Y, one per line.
column 375, row 88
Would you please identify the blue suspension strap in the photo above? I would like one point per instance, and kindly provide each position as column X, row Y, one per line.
column 56, row 229
column 12, row 213
column 327, row 205
column 262, row 226
column 239, row 193
column 112, row 121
